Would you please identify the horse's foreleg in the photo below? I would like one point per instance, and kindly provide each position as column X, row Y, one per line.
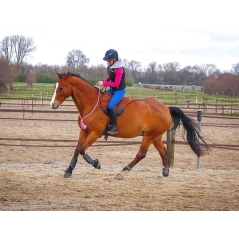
column 93, row 162
column 85, row 140
column 158, row 144
column 68, row 171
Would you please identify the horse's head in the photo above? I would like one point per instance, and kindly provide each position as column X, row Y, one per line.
column 63, row 90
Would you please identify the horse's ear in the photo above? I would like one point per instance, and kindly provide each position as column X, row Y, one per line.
column 57, row 73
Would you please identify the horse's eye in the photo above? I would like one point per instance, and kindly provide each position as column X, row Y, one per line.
column 61, row 88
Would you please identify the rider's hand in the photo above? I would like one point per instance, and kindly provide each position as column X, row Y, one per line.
column 100, row 83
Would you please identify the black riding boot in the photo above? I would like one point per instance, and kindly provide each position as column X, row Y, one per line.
column 113, row 117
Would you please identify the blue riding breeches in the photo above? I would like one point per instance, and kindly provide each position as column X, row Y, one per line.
column 117, row 95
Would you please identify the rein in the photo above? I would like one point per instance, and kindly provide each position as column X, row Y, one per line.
column 83, row 125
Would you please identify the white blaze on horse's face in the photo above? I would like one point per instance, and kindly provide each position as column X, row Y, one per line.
column 54, row 96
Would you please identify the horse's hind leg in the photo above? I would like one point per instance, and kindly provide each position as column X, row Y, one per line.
column 158, row 144
column 146, row 142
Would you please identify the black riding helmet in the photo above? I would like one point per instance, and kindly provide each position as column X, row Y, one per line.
column 110, row 55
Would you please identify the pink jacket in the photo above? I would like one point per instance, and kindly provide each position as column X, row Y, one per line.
column 118, row 76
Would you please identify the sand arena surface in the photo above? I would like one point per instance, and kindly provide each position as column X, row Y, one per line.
column 35, row 151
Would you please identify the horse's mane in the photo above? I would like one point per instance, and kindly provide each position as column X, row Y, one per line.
column 61, row 75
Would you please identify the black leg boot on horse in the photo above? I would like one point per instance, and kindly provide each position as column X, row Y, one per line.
column 113, row 118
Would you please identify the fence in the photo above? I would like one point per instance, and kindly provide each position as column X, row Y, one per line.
column 33, row 106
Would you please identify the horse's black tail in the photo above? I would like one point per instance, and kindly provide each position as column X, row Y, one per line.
column 191, row 130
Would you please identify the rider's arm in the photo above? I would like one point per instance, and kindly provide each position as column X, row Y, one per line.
column 118, row 77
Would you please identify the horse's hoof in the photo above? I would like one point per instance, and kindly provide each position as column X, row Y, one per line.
column 165, row 172
column 119, row 176
column 97, row 164
column 67, row 175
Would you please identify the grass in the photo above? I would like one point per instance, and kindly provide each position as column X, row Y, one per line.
column 45, row 91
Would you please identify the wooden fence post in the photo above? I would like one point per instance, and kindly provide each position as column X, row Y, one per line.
column 199, row 132
column 170, row 145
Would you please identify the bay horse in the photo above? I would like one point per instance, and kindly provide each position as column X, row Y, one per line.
column 146, row 117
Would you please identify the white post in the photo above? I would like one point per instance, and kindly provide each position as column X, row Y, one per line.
column 41, row 99
column 32, row 102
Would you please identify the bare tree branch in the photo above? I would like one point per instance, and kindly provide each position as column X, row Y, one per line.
column 16, row 48
column 23, row 47
column 4, row 74
column 6, row 49
column 76, row 58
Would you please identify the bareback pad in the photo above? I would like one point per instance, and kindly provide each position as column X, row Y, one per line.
column 119, row 108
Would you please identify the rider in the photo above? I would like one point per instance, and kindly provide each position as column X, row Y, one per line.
column 116, row 81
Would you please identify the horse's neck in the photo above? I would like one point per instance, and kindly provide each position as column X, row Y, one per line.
column 84, row 95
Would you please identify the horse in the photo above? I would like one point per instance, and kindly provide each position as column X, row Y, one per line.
column 146, row 117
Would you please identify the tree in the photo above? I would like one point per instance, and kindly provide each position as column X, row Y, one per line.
column 228, row 84
column 171, row 66
column 210, row 84
column 134, row 67
column 76, row 59
column 168, row 73
column 209, row 69
column 6, row 49
column 151, row 73
column 4, row 74
column 235, row 69
column 31, row 78
column 192, row 75
column 224, row 84
column 126, row 62
column 15, row 49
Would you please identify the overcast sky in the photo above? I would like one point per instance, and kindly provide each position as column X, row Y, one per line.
column 188, row 32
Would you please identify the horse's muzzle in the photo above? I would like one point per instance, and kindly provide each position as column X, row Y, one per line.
column 55, row 106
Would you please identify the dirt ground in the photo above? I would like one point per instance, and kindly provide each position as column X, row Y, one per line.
column 35, row 151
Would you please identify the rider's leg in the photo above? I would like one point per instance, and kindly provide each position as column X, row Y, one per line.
column 116, row 97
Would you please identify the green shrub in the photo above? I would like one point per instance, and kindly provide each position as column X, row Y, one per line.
column 21, row 78
column 46, row 79
column 129, row 82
